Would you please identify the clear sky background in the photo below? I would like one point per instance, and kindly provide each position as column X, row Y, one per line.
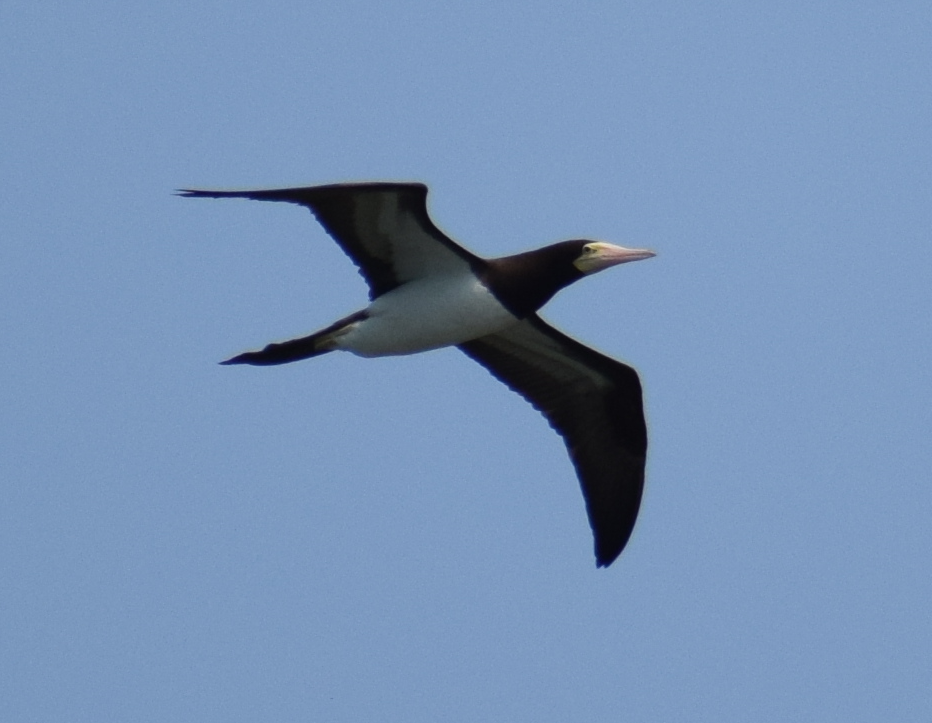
column 404, row 539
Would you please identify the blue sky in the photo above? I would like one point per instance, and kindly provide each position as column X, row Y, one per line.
column 404, row 539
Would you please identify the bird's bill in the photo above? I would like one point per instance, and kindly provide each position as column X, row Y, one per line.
column 597, row 255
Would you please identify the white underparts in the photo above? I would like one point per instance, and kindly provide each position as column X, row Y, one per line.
column 425, row 314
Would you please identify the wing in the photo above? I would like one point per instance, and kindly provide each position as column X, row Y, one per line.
column 383, row 227
column 594, row 403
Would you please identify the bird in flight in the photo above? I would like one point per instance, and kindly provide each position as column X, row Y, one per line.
column 426, row 292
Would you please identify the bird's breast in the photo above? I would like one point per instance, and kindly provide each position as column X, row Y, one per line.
column 427, row 314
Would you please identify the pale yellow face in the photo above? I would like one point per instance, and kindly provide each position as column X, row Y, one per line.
column 598, row 255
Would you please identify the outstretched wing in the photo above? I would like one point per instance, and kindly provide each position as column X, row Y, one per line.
column 383, row 227
column 594, row 403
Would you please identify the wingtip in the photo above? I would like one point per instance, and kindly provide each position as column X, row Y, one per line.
column 604, row 558
column 239, row 359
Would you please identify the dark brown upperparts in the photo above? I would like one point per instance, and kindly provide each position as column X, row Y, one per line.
column 525, row 282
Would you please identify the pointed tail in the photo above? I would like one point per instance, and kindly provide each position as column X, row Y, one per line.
column 306, row 347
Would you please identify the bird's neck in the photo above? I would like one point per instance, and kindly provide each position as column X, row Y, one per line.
column 525, row 282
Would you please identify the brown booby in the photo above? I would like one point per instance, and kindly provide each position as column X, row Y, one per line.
column 427, row 291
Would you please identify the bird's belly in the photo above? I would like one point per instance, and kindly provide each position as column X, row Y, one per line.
column 426, row 315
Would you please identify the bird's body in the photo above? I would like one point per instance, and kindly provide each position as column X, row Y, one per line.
column 427, row 314
column 428, row 292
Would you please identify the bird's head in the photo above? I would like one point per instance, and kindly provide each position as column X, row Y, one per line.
column 597, row 255
column 525, row 282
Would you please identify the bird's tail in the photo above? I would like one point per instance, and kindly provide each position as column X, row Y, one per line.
column 304, row 348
